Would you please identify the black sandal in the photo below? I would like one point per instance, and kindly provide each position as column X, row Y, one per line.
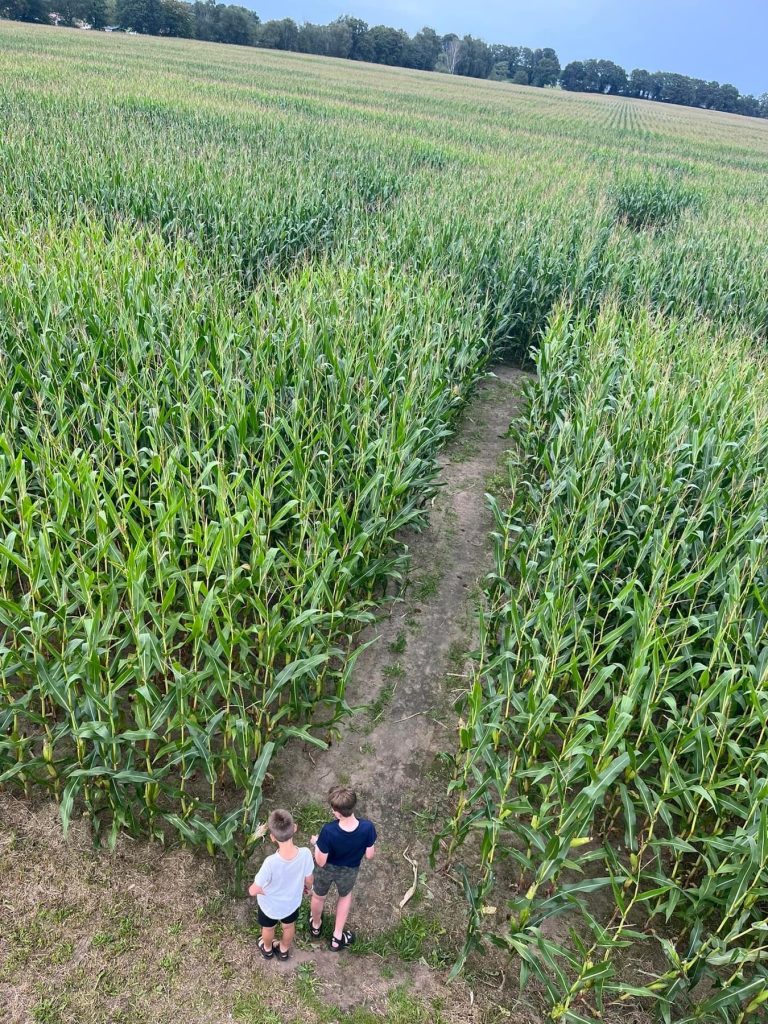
column 315, row 932
column 266, row 953
column 347, row 938
column 282, row 954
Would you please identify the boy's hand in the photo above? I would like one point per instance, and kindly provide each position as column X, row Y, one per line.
column 313, row 840
column 255, row 890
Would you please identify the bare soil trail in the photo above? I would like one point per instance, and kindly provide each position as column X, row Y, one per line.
column 392, row 751
column 405, row 682
column 145, row 934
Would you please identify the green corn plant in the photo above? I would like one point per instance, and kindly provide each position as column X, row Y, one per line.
column 624, row 617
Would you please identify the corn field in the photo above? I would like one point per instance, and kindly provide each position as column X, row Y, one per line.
column 244, row 297
column 615, row 735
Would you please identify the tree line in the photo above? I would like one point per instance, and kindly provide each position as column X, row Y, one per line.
column 663, row 86
column 354, row 39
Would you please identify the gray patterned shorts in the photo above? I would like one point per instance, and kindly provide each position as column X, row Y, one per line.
column 343, row 878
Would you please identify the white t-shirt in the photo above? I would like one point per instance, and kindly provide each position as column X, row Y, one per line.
column 283, row 883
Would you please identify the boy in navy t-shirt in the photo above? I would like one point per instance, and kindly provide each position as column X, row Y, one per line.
column 339, row 850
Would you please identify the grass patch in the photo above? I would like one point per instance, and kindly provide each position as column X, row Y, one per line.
column 212, row 909
column 43, row 934
column 377, row 708
column 457, row 654
column 48, row 1011
column 311, row 817
column 250, row 1009
column 119, row 939
column 415, row 937
column 424, row 822
column 427, row 586
column 404, row 1008
column 398, row 645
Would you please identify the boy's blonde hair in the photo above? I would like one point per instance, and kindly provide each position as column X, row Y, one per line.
column 281, row 825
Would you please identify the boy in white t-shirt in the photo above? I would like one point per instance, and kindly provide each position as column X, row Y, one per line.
column 279, row 885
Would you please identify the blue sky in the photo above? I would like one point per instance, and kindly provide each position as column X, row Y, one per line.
column 708, row 39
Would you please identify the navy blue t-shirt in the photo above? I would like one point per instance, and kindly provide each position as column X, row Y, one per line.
column 346, row 849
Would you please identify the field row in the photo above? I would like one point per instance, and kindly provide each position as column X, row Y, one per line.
column 617, row 729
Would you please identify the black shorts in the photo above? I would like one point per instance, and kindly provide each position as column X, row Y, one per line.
column 270, row 922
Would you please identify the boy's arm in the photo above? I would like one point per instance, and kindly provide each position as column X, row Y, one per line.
column 320, row 856
column 263, row 877
column 308, row 884
column 370, row 851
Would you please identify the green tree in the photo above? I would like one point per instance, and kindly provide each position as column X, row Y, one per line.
column 476, row 59
column 657, row 86
column 388, row 44
column 92, row 12
column 238, row 25
column 97, row 13
column 356, row 30
column 141, row 15
column 205, row 20
column 25, row 10
column 423, row 50
column 574, row 76
column 677, row 89
column 509, row 55
column 313, row 38
column 728, row 98
column 545, row 69
column 611, row 77
column 339, row 39
column 640, row 83
column 705, row 93
column 546, row 72
column 526, row 60
column 749, row 105
column 280, row 34
column 177, row 19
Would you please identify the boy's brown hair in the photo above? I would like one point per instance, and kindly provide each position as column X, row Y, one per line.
column 343, row 800
column 281, row 825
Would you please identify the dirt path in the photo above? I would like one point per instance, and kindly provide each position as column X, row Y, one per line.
column 392, row 751
column 150, row 935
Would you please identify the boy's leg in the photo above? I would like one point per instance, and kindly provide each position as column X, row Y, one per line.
column 286, row 939
column 345, row 883
column 268, row 937
column 316, row 909
column 342, row 913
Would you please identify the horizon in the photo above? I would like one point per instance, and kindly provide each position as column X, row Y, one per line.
column 701, row 40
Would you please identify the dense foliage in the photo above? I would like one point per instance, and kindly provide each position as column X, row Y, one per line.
column 615, row 737
column 243, row 300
